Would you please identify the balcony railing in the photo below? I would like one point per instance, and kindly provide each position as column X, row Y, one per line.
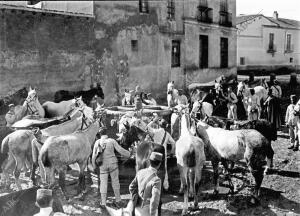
column 272, row 48
column 289, row 49
column 225, row 19
column 205, row 14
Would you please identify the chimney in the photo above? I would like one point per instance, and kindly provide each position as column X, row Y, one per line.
column 275, row 15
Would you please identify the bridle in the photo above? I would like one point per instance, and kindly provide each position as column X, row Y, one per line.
column 29, row 101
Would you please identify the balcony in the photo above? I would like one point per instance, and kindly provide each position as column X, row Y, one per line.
column 205, row 14
column 289, row 49
column 225, row 19
column 272, row 48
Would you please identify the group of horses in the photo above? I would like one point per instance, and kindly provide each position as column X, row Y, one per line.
column 53, row 148
column 34, row 141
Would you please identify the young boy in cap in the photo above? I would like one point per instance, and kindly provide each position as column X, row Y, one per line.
column 145, row 189
column 291, row 121
column 10, row 116
column 44, row 201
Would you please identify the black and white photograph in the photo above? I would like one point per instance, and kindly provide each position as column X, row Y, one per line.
column 150, row 108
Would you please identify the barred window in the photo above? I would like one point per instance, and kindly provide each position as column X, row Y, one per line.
column 224, row 52
column 171, row 9
column 144, row 6
column 175, row 53
column 224, row 5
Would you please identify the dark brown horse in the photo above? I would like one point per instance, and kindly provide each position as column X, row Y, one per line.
column 16, row 98
column 87, row 96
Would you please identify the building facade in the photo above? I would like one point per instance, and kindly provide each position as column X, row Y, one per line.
column 149, row 43
column 267, row 44
column 135, row 42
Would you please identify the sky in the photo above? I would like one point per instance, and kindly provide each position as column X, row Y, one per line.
column 289, row 9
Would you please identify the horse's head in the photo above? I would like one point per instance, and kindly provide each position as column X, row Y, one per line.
column 31, row 96
column 130, row 135
column 78, row 102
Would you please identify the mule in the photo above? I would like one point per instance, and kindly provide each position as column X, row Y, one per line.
column 19, row 148
column 190, row 160
column 59, row 151
column 17, row 98
column 87, row 96
column 223, row 145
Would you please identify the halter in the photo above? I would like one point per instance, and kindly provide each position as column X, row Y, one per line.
column 28, row 102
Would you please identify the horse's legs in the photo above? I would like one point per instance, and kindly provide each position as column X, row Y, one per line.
column 10, row 161
column 191, row 183
column 227, row 175
column 181, row 191
column 184, row 181
column 62, row 176
column 258, row 176
column 19, row 165
column 32, row 175
column 198, row 176
column 270, row 154
column 81, row 183
column 215, row 165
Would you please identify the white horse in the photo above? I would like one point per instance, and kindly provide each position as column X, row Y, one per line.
column 31, row 106
column 190, row 160
column 244, row 89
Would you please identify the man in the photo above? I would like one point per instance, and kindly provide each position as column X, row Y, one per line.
column 161, row 136
column 44, row 201
column 145, row 189
column 291, row 121
column 231, row 105
column 87, row 78
column 181, row 99
column 253, row 106
column 10, row 116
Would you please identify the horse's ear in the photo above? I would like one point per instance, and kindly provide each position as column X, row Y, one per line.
column 30, row 89
column 215, row 81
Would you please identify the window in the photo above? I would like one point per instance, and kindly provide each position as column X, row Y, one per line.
column 291, row 60
column 224, row 5
column 242, row 60
column 144, row 6
column 203, row 51
column 224, row 52
column 271, row 41
column 32, row 2
column 175, row 53
column 288, row 42
column 171, row 9
column 134, row 46
column 204, row 13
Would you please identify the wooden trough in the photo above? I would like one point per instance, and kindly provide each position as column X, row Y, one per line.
column 113, row 114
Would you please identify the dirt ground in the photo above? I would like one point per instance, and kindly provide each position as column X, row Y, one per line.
column 280, row 190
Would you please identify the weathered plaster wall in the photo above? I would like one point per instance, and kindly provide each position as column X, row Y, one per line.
column 43, row 50
column 119, row 22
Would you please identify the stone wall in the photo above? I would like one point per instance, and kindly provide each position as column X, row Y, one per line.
column 43, row 50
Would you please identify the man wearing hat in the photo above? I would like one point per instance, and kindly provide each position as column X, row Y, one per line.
column 150, row 100
column 10, row 116
column 44, row 200
column 145, row 189
column 276, row 89
column 161, row 136
column 291, row 120
column 181, row 99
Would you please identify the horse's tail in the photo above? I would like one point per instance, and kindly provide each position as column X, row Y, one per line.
column 45, row 159
column 4, row 145
column 191, row 158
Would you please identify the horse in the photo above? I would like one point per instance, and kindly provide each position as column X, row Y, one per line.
column 53, row 109
column 203, row 108
column 17, row 98
column 59, row 151
column 87, row 96
column 260, row 91
column 19, row 147
column 30, row 106
column 223, row 145
column 190, row 160
column 144, row 149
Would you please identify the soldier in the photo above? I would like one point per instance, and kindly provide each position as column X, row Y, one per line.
column 145, row 189
column 44, row 200
column 10, row 116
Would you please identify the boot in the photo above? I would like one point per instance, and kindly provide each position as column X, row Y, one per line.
column 296, row 146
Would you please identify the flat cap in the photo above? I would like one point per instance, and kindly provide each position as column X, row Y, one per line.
column 156, row 156
column 41, row 193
